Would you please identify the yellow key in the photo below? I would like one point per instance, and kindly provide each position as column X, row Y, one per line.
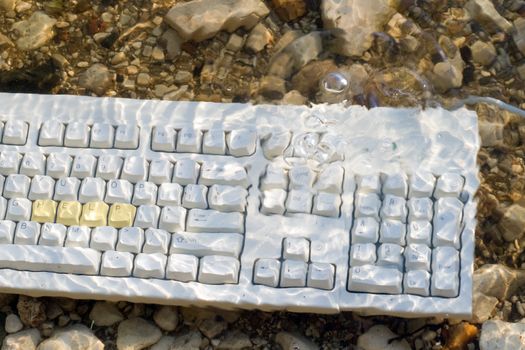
column 69, row 213
column 121, row 215
column 94, row 214
column 44, row 210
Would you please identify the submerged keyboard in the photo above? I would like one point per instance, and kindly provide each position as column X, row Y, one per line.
column 322, row 209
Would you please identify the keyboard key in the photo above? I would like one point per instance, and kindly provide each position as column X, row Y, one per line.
column 83, row 166
column 445, row 259
column 375, row 279
column 367, row 204
column 299, row 201
column 163, row 139
column 78, row 236
column 214, row 142
column 326, row 204
column 417, row 282
column 7, row 231
column 109, row 166
column 51, row 133
column 420, row 209
column 77, row 135
column 18, row 209
column 52, row 235
column 135, row 169
column 144, row 193
column 42, row 187
column 150, row 265
column 15, row 132
column 147, row 216
column 127, row 136
column 301, row 177
column 366, row 230
column 156, row 241
column 276, row 143
column 200, row 220
column 421, row 184
column 182, row 267
column 227, row 198
column 362, row 254
column 296, row 249
column 217, row 269
column 273, row 202
column 116, row 264
column 395, row 184
column 160, row 171
column 447, row 222
column 330, row 179
column 417, row 257
column 103, row 238
column 274, row 178
column 266, row 272
column 170, row 194
column 69, row 213
column 241, row 142
column 130, row 239
column 92, row 189
column 419, row 232
column 189, row 141
column 202, row 244
column 58, row 165
column 172, row 219
column 449, row 185
column 32, row 164
column 83, row 261
column 9, row 162
column 293, row 273
column 394, row 208
column 393, row 231
column 118, row 191
column 445, row 272
column 389, row 254
column 3, row 207
column 321, row 276
column 121, row 215
column 44, row 210
column 27, row 232
column 16, row 186
column 186, row 172
column 94, row 214
column 232, row 174
column 195, row 197
column 102, row 135
column 369, row 183
column 66, row 189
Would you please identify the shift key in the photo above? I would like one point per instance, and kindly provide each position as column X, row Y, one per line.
column 200, row 220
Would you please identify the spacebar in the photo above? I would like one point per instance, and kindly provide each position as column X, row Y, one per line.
column 53, row 259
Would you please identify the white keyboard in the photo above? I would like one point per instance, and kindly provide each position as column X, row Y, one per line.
column 321, row 209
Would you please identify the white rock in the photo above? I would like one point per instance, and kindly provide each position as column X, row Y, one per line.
column 24, row 340
column 136, row 334
column 354, row 21
column 293, row 341
column 34, row 32
column 165, row 343
column 377, row 337
column 500, row 335
column 13, row 323
column 482, row 307
column 199, row 20
column 167, row 318
column 77, row 337
column 484, row 12
column 105, row 314
column 188, row 341
column 519, row 34
column 512, row 225
column 498, row 281
column 96, row 78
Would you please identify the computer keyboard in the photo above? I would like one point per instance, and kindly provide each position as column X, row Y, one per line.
column 321, row 209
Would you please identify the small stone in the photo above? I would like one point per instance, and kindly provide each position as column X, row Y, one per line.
column 295, row 55
column 5, row 41
column 7, row 5
column 482, row 307
column 491, row 134
column 288, row 10
column 235, row 340
column 77, row 337
column 13, row 323
column 183, row 77
column 483, row 53
column 132, row 70
column 521, row 71
column 307, row 80
column 165, row 343
column 96, row 78
column 167, row 318
column 294, row 97
column 34, row 32
column 460, row 335
column 446, row 76
column 104, row 314
column 409, row 43
column 272, row 87
column 143, row 79
column 146, row 52
column 498, row 281
column 293, row 341
column 24, row 340
column 500, row 335
column 199, row 20
column 137, row 334
column 235, row 43
column 188, row 341
column 484, row 12
column 377, row 338
column 118, row 58
column 172, row 42
column 512, row 225
column 259, row 38
column 32, row 311
column 519, row 34
column 157, row 54
column 212, row 327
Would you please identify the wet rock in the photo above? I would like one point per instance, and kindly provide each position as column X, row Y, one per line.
column 136, row 334
column 157, row 54
column 293, row 341
column 234, row 340
column 34, row 32
column 172, row 42
column 201, row 19
column 296, row 54
column 482, row 307
column 288, row 10
column 286, row 39
column 377, row 338
column 235, row 43
column 183, row 77
column 521, row 71
column 143, row 79
column 498, row 281
column 353, row 23
column 272, row 87
column 32, row 311
column 512, row 225
column 306, row 81
column 259, row 38
column 188, row 341
column 294, row 97
column 491, row 133
column 484, row 12
column 96, row 78
column 105, row 314
column 519, row 34
column 212, row 327
column 446, row 76
column 483, row 53
column 7, row 5
column 24, row 340
column 167, row 318
column 13, row 323
column 77, row 337
column 165, row 343
column 500, row 335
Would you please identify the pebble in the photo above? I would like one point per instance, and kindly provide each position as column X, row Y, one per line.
column 259, row 38
column 7, row 5
column 482, row 307
column 484, row 12
column 96, row 78
column 521, row 71
column 307, row 80
column 498, row 281
column 483, row 53
column 377, row 337
column 32, row 311
column 519, row 34
column 212, row 327
column 105, row 314
column 118, row 58
column 34, row 32
column 143, row 79
column 24, row 340
column 183, row 77
column 5, row 41
column 77, row 337
column 294, row 97
column 136, row 334
column 491, row 133
column 512, row 224
column 294, row 341
column 446, row 76
column 188, row 341
column 13, row 323
column 272, row 87
column 288, row 10
column 166, row 317
column 165, row 343
column 235, row 43
column 157, row 54
column 296, row 54
column 500, row 335
column 172, row 42
column 234, row 340
column 355, row 21
column 199, row 20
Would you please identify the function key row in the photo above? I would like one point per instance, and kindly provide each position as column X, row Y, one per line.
column 237, row 143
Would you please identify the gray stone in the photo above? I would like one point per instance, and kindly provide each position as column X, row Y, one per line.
column 294, row 341
column 24, row 340
column 295, row 55
column 498, row 281
column 212, row 327
column 512, row 224
column 521, row 71
column 519, row 34
column 188, row 341
column 77, row 337
column 491, row 133
column 446, row 76
column 34, row 32
column 137, row 334
column 272, row 87
column 96, row 78
column 143, row 79
column 484, row 12
column 259, row 37
column 13, row 323
column 172, row 42
column 183, row 77
column 235, row 43
column 199, row 20
column 377, row 338
column 105, row 314
column 354, row 21
column 483, row 53
column 165, row 343
column 500, row 335
column 482, row 307
column 234, row 340
column 167, row 318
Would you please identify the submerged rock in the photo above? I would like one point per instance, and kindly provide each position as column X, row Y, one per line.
column 77, row 337
column 96, row 78
column 500, row 335
column 34, row 32
column 259, row 37
column 519, row 34
column 288, row 10
column 296, row 54
column 498, row 281
column 484, row 12
column 293, row 341
column 378, row 337
column 24, row 340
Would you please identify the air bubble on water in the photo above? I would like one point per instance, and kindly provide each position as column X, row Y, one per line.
column 305, row 144
column 334, row 82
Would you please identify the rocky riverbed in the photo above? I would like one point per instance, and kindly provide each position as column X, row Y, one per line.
column 386, row 52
